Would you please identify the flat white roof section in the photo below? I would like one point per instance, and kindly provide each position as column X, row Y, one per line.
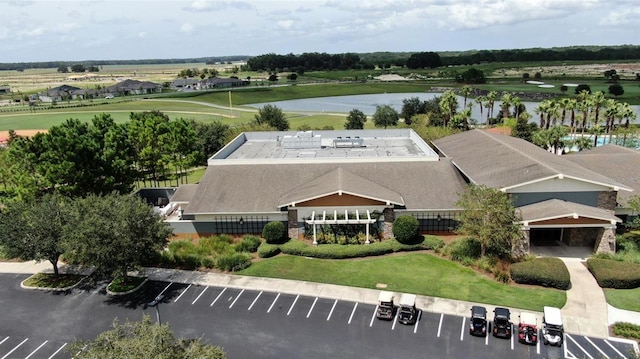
column 325, row 147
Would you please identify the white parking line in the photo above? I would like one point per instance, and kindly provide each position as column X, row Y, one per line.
column 292, row 304
column 579, row 346
column 4, row 340
column 595, row 346
column 462, row 329
column 373, row 316
column 255, row 300
column 165, row 289
column 564, row 340
column 57, row 351
column 38, row 348
column 440, row 325
column 486, row 338
column 218, row 297
column 312, row 305
column 14, row 348
column 234, row 301
column 184, row 291
column 614, row 348
column 332, row 308
column 415, row 327
column 274, row 302
column 538, row 341
column 395, row 320
column 200, row 295
column 568, row 354
column 352, row 312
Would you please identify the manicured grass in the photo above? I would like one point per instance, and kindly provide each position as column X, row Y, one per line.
column 119, row 286
column 50, row 280
column 417, row 273
column 624, row 298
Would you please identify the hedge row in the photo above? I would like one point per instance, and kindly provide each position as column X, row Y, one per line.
column 338, row 251
column 546, row 272
column 614, row 274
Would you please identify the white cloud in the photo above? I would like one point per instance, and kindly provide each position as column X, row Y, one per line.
column 38, row 31
column 142, row 34
column 622, row 17
column 4, row 32
column 186, row 27
column 207, row 5
column 285, row 24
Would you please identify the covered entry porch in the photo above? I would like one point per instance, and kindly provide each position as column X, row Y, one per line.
column 556, row 226
column 354, row 217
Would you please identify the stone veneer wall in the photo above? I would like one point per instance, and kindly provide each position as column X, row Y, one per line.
column 607, row 241
column 292, row 223
column 523, row 245
column 581, row 236
column 607, row 200
column 389, row 216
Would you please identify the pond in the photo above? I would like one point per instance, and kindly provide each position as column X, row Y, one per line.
column 368, row 103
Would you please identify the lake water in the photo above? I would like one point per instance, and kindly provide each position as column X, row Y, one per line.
column 368, row 103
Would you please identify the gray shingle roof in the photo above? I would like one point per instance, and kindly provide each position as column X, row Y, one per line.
column 501, row 161
column 340, row 181
column 556, row 208
column 619, row 163
column 184, row 193
column 262, row 188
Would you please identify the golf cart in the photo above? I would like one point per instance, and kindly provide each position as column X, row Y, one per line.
column 478, row 324
column 502, row 323
column 385, row 306
column 528, row 329
column 408, row 312
column 552, row 328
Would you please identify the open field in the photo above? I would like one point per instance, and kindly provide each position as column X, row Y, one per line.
column 411, row 273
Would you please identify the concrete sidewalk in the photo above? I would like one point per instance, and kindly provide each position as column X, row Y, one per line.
column 584, row 312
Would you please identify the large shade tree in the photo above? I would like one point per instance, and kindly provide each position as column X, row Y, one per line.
column 355, row 120
column 143, row 339
column 385, row 116
column 115, row 233
column 35, row 230
column 273, row 116
column 489, row 216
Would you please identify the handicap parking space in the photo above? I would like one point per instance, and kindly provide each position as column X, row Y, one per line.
column 578, row 346
column 31, row 348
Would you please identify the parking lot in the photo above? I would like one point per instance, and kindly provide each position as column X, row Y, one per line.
column 261, row 324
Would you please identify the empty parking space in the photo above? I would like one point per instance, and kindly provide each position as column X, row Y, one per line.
column 26, row 348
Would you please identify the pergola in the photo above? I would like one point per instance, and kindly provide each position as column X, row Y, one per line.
column 367, row 220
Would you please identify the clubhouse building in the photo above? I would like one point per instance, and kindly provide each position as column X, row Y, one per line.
column 367, row 178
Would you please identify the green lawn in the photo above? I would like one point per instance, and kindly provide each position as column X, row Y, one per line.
column 624, row 298
column 413, row 273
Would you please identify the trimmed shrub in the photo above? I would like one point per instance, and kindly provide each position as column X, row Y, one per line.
column 215, row 245
column 546, row 272
column 463, row 248
column 405, row 229
column 267, row 250
column 338, row 251
column 248, row 244
column 233, row 262
column 501, row 276
column 614, row 274
column 274, row 232
column 627, row 330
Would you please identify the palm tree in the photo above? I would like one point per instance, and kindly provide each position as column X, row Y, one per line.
column 466, row 92
column 584, row 105
column 448, row 105
column 611, row 113
column 542, row 109
column 481, row 100
column 491, row 100
column 516, row 106
column 505, row 105
column 597, row 101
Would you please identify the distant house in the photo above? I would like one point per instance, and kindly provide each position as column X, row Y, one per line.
column 185, row 84
column 217, row 82
column 134, row 87
column 5, row 89
column 66, row 92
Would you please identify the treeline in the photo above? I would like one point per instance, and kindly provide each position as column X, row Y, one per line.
column 78, row 158
column 308, row 61
column 21, row 66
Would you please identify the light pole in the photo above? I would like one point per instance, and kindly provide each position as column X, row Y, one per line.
column 154, row 303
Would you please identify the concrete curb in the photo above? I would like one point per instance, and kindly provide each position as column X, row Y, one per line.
column 65, row 289
column 117, row 294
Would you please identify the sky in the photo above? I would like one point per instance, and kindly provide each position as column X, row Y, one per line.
column 41, row 30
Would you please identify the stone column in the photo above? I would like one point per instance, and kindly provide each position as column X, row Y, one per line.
column 389, row 216
column 523, row 245
column 606, row 243
column 292, row 223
